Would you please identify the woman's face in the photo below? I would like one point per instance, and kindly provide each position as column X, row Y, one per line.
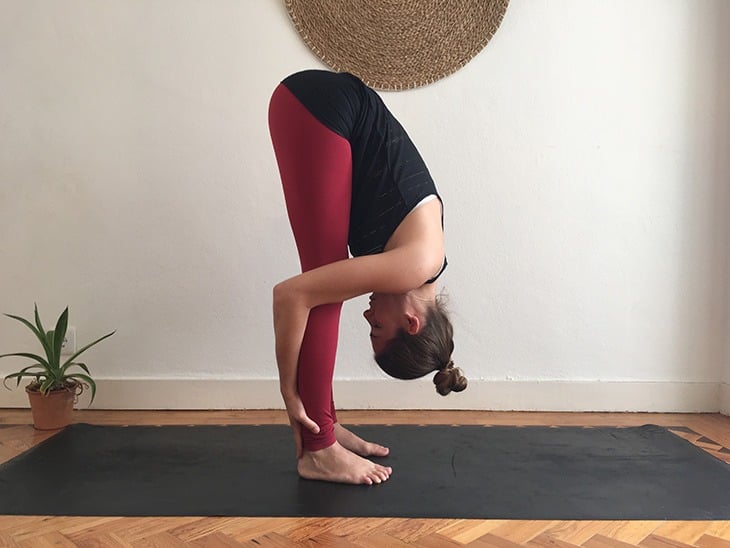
column 386, row 316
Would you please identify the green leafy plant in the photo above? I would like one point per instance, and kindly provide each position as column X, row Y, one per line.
column 49, row 372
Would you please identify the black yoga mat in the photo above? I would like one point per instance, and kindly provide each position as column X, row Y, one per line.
column 438, row 471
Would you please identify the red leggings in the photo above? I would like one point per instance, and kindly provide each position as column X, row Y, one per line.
column 315, row 165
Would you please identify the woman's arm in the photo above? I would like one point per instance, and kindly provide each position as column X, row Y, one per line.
column 395, row 271
column 290, row 321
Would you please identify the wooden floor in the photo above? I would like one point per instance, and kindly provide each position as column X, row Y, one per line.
column 709, row 431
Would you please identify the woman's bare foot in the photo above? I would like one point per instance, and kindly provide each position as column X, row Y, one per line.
column 337, row 464
column 358, row 445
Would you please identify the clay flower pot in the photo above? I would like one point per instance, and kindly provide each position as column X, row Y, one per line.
column 54, row 410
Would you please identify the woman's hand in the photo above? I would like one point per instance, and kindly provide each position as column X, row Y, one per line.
column 298, row 419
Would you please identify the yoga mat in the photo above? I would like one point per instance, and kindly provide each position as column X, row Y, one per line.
column 533, row 473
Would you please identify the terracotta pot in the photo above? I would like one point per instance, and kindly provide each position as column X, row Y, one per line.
column 54, row 410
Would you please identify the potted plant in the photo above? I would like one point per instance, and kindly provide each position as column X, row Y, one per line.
column 54, row 388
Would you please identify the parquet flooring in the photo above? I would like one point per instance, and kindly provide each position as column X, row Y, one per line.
column 709, row 431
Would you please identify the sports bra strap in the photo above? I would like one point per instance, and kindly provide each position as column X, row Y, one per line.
column 436, row 277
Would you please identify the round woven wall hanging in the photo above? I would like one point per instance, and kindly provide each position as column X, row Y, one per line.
column 397, row 44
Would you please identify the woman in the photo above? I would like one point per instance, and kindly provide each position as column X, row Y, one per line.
column 351, row 176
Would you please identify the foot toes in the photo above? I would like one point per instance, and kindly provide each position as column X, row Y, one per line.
column 377, row 478
column 383, row 474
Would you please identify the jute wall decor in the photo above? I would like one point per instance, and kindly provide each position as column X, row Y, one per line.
column 397, row 44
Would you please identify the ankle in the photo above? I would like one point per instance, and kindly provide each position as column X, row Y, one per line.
column 312, row 448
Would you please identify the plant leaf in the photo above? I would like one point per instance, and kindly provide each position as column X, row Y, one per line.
column 38, row 323
column 72, row 358
column 13, row 376
column 48, row 383
column 89, row 380
column 58, row 335
column 39, row 334
column 24, row 321
column 46, row 344
column 17, row 376
column 31, row 367
column 36, row 357
column 69, row 365
column 49, row 339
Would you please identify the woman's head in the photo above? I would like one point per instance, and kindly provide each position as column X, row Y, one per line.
column 416, row 345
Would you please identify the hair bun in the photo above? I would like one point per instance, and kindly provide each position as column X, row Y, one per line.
column 449, row 379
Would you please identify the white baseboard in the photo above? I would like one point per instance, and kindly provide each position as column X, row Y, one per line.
column 725, row 398
column 662, row 397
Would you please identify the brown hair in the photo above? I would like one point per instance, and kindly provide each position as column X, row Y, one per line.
column 413, row 356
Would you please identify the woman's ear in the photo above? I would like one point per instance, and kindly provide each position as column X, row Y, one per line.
column 414, row 324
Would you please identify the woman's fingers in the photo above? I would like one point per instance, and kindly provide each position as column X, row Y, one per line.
column 309, row 424
column 300, row 414
column 299, row 419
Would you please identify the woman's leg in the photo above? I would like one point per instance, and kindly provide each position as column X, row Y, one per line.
column 315, row 165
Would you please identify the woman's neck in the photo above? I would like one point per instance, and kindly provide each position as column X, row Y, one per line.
column 423, row 296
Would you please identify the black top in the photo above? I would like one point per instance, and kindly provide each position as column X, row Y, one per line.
column 389, row 177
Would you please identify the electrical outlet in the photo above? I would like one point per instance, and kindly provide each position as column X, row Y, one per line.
column 69, row 342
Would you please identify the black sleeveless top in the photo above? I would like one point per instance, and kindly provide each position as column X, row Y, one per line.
column 389, row 177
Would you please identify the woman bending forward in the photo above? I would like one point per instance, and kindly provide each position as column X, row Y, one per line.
column 352, row 177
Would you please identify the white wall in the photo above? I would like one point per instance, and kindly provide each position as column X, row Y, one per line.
column 580, row 156
column 723, row 169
